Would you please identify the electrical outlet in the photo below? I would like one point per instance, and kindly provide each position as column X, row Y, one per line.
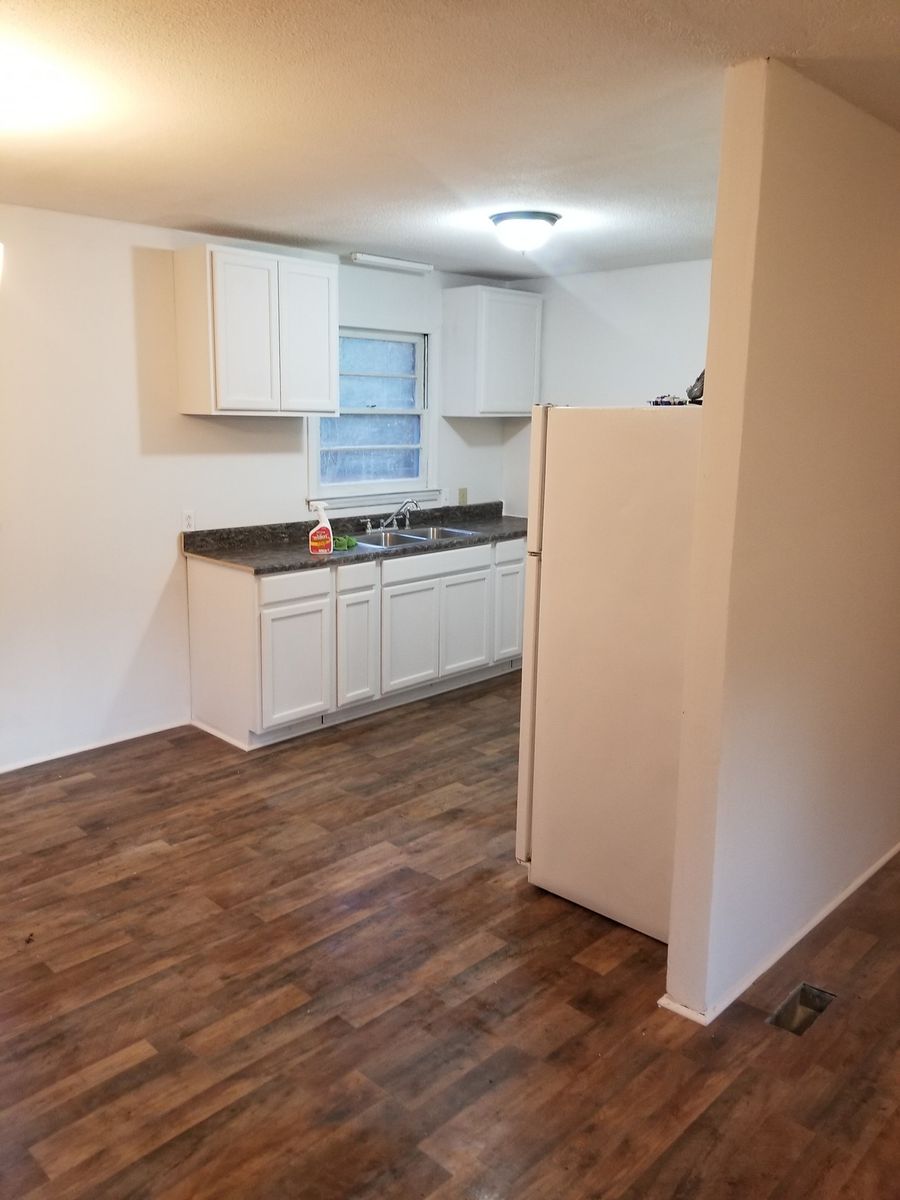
column 463, row 496
column 187, row 520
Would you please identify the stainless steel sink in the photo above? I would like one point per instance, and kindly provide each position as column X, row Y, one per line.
column 383, row 539
column 436, row 533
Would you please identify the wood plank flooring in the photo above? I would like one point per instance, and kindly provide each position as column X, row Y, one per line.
column 317, row 972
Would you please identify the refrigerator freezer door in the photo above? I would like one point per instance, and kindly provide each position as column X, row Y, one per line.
column 618, row 506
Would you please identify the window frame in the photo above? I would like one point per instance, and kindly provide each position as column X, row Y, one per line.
column 358, row 492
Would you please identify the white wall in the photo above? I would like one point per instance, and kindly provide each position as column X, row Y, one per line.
column 623, row 337
column 470, row 452
column 790, row 754
column 96, row 466
column 613, row 338
column 516, row 447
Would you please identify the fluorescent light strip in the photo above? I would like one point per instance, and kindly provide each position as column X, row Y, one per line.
column 390, row 264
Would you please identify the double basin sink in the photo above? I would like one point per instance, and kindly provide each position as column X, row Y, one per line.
column 384, row 539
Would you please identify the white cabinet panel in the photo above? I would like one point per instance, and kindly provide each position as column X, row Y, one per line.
column 441, row 562
column 308, row 329
column 507, row 552
column 511, row 336
column 409, row 634
column 465, row 622
column 509, row 603
column 297, row 652
column 294, row 585
column 358, row 646
column 245, row 307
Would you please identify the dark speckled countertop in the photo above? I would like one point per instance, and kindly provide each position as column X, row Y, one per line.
column 272, row 549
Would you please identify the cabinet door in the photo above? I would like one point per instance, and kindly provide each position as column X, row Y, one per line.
column 465, row 622
column 358, row 646
column 409, row 634
column 297, row 660
column 509, row 610
column 308, row 327
column 510, row 349
column 245, row 317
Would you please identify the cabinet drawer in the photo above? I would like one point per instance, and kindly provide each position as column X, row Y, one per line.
column 353, row 576
column 427, row 566
column 298, row 585
column 505, row 552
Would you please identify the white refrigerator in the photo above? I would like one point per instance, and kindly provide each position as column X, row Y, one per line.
column 610, row 514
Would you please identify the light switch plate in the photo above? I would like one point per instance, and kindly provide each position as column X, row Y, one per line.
column 463, row 496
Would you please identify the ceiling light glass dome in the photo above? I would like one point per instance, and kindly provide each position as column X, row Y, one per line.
column 526, row 230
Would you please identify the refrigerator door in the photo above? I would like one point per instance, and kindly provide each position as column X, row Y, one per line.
column 526, row 722
column 539, row 415
column 618, row 506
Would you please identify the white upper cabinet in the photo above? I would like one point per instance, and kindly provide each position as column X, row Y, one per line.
column 491, row 348
column 256, row 333
column 308, row 331
column 245, row 307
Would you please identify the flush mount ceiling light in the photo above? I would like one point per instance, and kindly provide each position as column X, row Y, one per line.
column 527, row 230
column 40, row 94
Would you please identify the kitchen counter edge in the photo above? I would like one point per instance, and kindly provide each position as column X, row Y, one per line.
column 279, row 560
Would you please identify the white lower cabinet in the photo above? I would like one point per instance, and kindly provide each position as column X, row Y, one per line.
column 465, row 637
column 509, row 609
column 297, row 650
column 300, row 647
column 358, row 634
column 410, row 615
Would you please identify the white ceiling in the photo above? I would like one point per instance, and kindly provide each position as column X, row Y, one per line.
column 395, row 126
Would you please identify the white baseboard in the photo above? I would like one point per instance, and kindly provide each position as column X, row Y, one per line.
column 682, row 1010
column 277, row 735
column 356, row 712
column 224, row 737
column 729, row 997
column 114, row 741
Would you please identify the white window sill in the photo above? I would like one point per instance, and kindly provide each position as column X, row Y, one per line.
column 377, row 499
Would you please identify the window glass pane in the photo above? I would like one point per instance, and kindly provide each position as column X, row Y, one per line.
column 377, row 430
column 352, row 466
column 375, row 391
column 378, row 356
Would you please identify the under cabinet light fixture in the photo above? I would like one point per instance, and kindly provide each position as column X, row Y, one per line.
column 526, row 230
column 390, row 264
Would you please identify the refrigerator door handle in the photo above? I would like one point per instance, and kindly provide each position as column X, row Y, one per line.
column 540, row 416
column 527, row 722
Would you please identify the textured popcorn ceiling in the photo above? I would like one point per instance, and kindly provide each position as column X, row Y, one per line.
column 395, row 127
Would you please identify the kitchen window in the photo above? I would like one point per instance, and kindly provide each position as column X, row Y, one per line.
column 378, row 444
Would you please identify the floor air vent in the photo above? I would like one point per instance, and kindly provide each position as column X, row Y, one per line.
column 801, row 1008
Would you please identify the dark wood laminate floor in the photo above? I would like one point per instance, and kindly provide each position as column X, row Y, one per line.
column 317, row 973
